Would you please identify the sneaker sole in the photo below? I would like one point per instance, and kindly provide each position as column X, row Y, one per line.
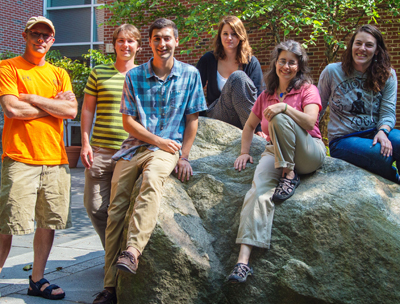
column 125, row 268
column 235, row 281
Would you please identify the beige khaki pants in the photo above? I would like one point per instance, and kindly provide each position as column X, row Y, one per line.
column 293, row 148
column 34, row 192
column 96, row 197
column 155, row 167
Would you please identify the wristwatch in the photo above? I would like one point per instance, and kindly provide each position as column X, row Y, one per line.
column 384, row 131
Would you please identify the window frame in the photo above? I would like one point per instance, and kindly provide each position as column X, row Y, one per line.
column 93, row 6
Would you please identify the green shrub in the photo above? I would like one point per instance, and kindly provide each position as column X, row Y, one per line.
column 78, row 71
column 7, row 55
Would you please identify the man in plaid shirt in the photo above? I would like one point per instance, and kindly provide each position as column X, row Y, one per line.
column 160, row 106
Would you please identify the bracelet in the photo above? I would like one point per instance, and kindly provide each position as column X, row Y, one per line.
column 184, row 158
column 285, row 109
column 244, row 153
column 384, row 131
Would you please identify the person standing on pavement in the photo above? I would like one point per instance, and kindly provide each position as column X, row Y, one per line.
column 35, row 178
column 103, row 96
column 160, row 106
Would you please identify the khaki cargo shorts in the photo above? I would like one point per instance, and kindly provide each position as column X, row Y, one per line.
column 34, row 192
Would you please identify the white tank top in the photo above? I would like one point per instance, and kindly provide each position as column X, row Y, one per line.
column 221, row 81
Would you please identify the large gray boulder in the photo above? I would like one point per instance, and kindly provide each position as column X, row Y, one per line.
column 336, row 240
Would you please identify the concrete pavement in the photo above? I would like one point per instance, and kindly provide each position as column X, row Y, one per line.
column 75, row 263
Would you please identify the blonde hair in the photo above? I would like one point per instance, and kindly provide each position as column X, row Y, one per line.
column 130, row 30
column 244, row 51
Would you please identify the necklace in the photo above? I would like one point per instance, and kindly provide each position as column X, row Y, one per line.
column 281, row 94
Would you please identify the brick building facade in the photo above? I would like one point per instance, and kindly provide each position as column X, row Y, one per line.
column 16, row 12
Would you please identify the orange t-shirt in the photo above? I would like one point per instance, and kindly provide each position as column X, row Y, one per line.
column 37, row 141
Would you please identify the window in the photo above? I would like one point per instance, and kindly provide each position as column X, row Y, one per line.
column 77, row 26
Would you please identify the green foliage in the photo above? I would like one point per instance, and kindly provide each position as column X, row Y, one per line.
column 78, row 71
column 332, row 20
column 7, row 55
column 335, row 20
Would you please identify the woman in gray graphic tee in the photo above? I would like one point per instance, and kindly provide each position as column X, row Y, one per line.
column 361, row 92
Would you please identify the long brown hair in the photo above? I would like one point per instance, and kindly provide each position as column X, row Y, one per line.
column 303, row 72
column 379, row 70
column 244, row 50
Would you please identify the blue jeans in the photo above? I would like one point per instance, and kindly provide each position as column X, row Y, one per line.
column 357, row 149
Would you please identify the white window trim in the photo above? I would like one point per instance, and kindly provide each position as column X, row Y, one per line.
column 92, row 6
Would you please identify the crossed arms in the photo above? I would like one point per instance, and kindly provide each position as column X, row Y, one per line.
column 30, row 106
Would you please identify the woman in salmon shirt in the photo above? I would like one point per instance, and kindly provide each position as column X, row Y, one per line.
column 288, row 110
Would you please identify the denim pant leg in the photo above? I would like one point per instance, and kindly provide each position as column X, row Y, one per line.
column 360, row 152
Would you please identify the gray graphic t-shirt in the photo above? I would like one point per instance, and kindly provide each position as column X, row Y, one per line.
column 354, row 108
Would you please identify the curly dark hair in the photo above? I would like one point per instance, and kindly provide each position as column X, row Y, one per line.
column 379, row 70
column 303, row 72
column 244, row 50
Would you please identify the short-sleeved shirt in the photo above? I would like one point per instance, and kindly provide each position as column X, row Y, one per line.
column 36, row 141
column 297, row 99
column 105, row 82
column 158, row 105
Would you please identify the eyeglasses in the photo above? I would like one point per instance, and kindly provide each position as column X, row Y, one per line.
column 291, row 64
column 36, row 35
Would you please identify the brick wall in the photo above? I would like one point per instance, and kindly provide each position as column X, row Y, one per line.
column 15, row 13
column 388, row 25
column 13, row 16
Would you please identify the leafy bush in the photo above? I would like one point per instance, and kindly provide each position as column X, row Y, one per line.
column 78, row 71
column 7, row 55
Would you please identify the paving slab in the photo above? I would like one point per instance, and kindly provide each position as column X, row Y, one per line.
column 75, row 263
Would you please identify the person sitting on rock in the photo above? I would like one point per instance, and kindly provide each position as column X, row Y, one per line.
column 160, row 105
column 288, row 110
column 232, row 74
column 364, row 137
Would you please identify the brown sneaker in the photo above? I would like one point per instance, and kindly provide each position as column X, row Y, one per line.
column 127, row 262
column 106, row 297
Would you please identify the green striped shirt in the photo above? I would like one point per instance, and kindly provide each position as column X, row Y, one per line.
column 106, row 83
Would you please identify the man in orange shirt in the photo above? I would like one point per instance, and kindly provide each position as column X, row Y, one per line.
column 35, row 179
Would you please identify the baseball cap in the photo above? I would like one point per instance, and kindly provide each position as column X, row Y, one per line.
column 39, row 19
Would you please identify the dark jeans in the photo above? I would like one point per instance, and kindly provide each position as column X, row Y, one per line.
column 357, row 149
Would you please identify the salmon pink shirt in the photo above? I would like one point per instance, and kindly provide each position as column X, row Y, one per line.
column 297, row 99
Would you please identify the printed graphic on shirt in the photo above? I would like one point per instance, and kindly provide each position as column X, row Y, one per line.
column 356, row 107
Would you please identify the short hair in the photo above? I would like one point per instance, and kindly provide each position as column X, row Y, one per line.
column 161, row 23
column 130, row 30
column 303, row 72
column 379, row 69
column 244, row 51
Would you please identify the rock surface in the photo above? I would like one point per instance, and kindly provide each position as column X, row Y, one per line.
column 336, row 240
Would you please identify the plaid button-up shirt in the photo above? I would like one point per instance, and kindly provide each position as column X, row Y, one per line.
column 160, row 106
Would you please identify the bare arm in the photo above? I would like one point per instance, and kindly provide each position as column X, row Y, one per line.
column 183, row 168
column 63, row 106
column 88, row 109
column 305, row 119
column 138, row 131
column 386, row 144
column 247, row 137
column 17, row 109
